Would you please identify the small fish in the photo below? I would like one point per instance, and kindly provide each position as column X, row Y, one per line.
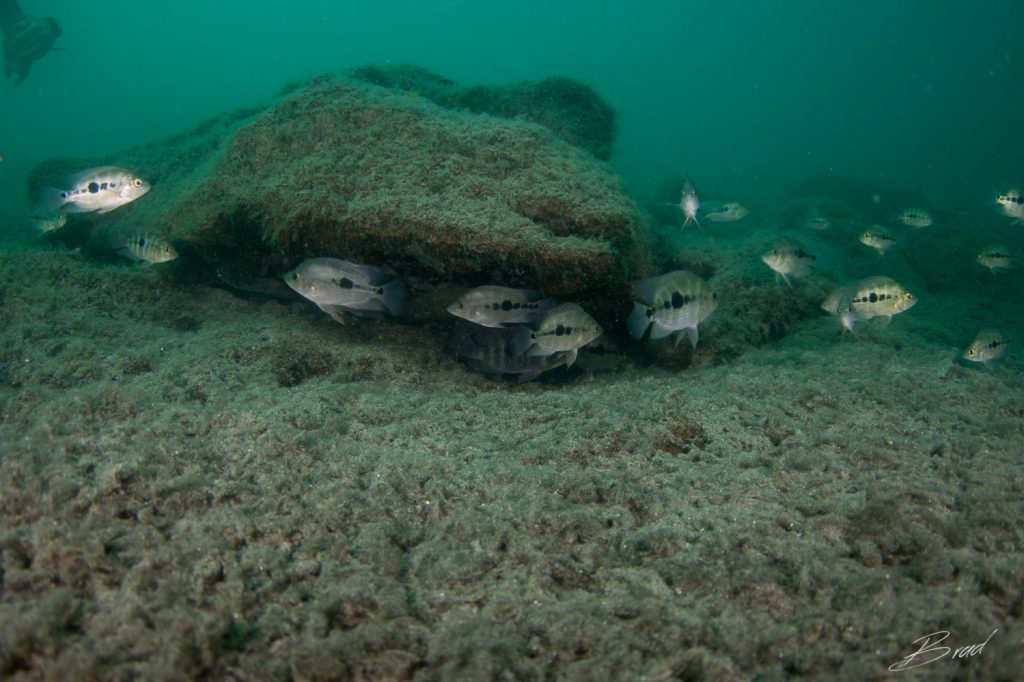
column 988, row 346
column 690, row 204
column 915, row 217
column 727, row 212
column 787, row 258
column 338, row 286
column 49, row 222
column 673, row 303
column 839, row 303
column 489, row 350
column 565, row 328
column 1012, row 204
column 997, row 258
column 143, row 248
column 98, row 189
column 817, row 221
column 867, row 299
column 493, row 306
column 877, row 239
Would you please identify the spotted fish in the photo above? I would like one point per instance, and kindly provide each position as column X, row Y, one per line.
column 788, row 259
column 988, row 346
column 97, row 189
column 1012, row 204
column 491, row 350
column 877, row 239
column 339, row 286
column 563, row 329
column 997, row 258
column 493, row 306
column 673, row 303
column 915, row 217
column 144, row 248
column 867, row 299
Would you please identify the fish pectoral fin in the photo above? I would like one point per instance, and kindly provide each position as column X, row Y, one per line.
column 335, row 311
column 688, row 333
column 571, row 358
column 885, row 320
column 659, row 331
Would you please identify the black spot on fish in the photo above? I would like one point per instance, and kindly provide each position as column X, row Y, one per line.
column 873, row 297
column 63, row 195
column 93, row 188
column 560, row 330
column 345, row 283
column 506, row 304
column 103, row 186
column 678, row 300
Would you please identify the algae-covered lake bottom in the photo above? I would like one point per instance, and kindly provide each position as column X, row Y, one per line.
column 196, row 484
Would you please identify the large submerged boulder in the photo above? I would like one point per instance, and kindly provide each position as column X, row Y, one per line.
column 340, row 167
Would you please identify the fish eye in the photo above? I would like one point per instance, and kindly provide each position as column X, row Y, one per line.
column 137, row 182
column 295, row 277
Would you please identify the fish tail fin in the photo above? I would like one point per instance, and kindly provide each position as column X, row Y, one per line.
column 638, row 322
column 393, row 297
column 521, row 341
column 51, row 199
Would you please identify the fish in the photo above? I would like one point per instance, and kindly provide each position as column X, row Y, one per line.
column 997, row 258
column 817, row 221
column 877, row 239
column 99, row 189
column 48, row 222
column 671, row 304
column 144, row 248
column 489, row 350
column 915, row 217
column 690, row 204
column 867, row 299
column 724, row 212
column 567, row 327
column 26, row 39
column 494, row 306
column 1012, row 204
column 839, row 303
column 787, row 258
column 338, row 286
column 989, row 345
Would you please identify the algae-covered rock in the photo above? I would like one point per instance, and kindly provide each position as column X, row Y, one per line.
column 345, row 169
column 574, row 111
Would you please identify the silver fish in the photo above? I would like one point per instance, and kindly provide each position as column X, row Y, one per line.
column 490, row 350
column 840, row 304
column 49, row 222
column 673, row 303
column 997, row 258
column 1012, row 204
column 727, row 212
column 867, row 299
column 915, row 217
column 565, row 328
column 690, row 204
column 988, row 346
column 877, row 239
column 98, row 189
column 338, row 286
column 144, row 248
column 787, row 258
column 494, row 306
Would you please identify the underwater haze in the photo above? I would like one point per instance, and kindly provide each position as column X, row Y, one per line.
column 462, row 340
column 742, row 95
